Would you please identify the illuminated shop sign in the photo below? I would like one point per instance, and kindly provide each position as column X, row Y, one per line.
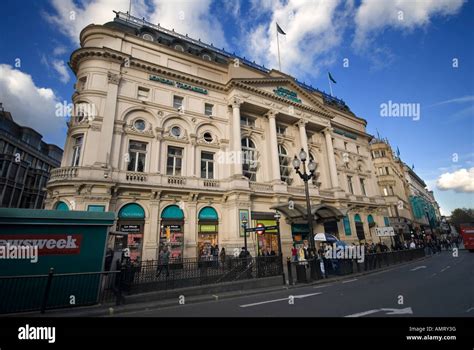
column 288, row 94
column 178, row 84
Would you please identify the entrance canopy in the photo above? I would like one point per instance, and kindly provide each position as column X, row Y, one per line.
column 321, row 212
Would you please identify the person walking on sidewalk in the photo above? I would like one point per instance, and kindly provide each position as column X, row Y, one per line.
column 163, row 262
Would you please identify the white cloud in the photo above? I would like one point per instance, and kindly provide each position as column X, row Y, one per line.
column 60, row 67
column 455, row 100
column 71, row 17
column 59, row 50
column 29, row 104
column 373, row 16
column 460, row 181
column 189, row 17
column 192, row 17
column 313, row 30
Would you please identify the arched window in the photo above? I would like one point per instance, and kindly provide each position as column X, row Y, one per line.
column 359, row 227
column 370, row 220
column 386, row 221
column 357, row 218
column 61, row 206
column 249, row 159
column 347, row 225
column 285, row 162
column 179, row 47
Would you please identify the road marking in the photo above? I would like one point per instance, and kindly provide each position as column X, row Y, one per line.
column 355, row 279
column 387, row 311
column 282, row 299
column 447, row 267
column 324, row 285
column 434, row 274
column 418, row 267
column 470, row 309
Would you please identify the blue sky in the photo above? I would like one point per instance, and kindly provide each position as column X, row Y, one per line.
column 402, row 51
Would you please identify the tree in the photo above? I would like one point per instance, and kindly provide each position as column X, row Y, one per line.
column 462, row 216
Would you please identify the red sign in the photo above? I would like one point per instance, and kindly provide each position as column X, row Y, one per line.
column 62, row 244
column 260, row 229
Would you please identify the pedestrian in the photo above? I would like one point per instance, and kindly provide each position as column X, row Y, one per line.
column 412, row 245
column 222, row 255
column 294, row 253
column 163, row 262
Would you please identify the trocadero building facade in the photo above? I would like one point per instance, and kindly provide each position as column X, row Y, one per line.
column 186, row 141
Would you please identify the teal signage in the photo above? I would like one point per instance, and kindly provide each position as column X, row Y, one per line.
column 131, row 211
column 345, row 133
column 62, row 206
column 208, row 213
column 288, row 94
column 178, row 84
column 172, row 212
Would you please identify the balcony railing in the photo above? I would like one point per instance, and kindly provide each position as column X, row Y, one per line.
column 210, row 183
column 176, row 180
column 136, row 177
column 63, row 173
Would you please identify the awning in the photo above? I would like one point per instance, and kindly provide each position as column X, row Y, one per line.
column 321, row 212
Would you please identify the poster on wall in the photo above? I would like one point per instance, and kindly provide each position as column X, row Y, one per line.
column 243, row 214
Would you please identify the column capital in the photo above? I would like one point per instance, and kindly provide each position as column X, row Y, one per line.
column 301, row 123
column 328, row 130
column 235, row 102
column 113, row 78
column 271, row 114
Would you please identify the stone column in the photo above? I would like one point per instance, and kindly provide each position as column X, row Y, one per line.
column 236, row 136
column 303, row 137
column 108, row 122
column 274, row 159
column 331, row 158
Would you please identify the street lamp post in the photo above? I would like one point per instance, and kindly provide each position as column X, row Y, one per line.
column 244, row 225
column 306, row 177
column 277, row 217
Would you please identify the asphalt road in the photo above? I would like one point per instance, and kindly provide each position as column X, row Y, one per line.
column 442, row 285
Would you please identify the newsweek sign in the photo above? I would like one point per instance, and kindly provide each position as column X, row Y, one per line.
column 61, row 244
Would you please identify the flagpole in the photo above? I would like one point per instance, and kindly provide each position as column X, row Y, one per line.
column 130, row 8
column 278, row 46
column 330, row 86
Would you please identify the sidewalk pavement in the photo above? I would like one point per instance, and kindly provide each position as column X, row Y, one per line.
column 105, row 310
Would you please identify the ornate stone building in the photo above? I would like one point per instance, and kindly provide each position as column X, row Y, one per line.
column 187, row 140
column 393, row 186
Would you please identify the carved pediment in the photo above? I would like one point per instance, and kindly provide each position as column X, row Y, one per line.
column 285, row 90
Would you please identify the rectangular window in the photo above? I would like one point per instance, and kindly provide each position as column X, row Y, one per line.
column 174, row 161
column 386, row 171
column 385, row 191
column 177, row 102
column 208, row 109
column 349, row 184
column 143, row 93
column 137, row 156
column 362, row 187
column 280, row 129
column 207, row 165
column 76, row 151
column 358, row 149
column 247, row 121
column 391, row 190
column 345, row 146
column 380, row 171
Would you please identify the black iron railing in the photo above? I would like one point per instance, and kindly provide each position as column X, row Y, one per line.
column 319, row 268
column 153, row 275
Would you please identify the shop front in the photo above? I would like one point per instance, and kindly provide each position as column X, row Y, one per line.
column 267, row 242
column 130, row 227
column 208, row 229
column 172, row 231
